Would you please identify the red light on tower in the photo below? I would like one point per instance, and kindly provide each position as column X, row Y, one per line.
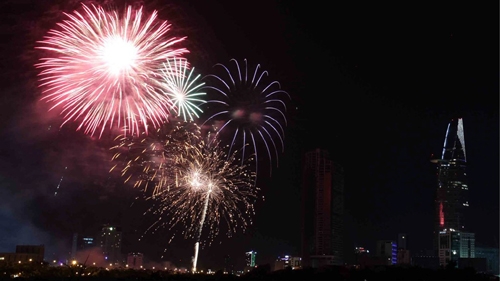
column 441, row 214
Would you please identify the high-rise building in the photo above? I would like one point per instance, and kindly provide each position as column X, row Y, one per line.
column 250, row 258
column 388, row 250
column 403, row 256
column 74, row 246
column 228, row 265
column 322, row 210
column 81, row 243
column 111, row 243
column 452, row 191
column 402, row 239
column 86, row 243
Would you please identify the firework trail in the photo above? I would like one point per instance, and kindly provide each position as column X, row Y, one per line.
column 60, row 181
column 102, row 69
column 181, row 88
column 249, row 108
column 202, row 221
column 209, row 186
column 197, row 187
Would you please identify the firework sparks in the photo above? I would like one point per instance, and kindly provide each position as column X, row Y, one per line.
column 101, row 69
column 209, row 187
column 181, row 88
column 197, row 186
column 251, row 110
column 147, row 159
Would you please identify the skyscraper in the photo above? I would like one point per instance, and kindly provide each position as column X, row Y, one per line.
column 402, row 238
column 387, row 250
column 111, row 242
column 250, row 258
column 322, row 210
column 228, row 265
column 451, row 196
column 81, row 243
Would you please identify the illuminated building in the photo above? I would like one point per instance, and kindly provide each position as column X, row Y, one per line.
column 403, row 255
column 250, row 258
column 24, row 254
column 111, row 242
column 387, row 250
column 449, row 247
column 360, row 255
column 402, row 239
column 467, row 245
column 454, row 245
column 452, row 191
column 322, row 210
column 491, row 255
column 81, row 243
column 287, row 261
column 134, row 260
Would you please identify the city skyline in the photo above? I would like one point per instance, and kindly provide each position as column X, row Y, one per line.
column 374, row 88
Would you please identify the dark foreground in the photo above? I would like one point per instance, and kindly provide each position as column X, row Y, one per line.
column 262, row 273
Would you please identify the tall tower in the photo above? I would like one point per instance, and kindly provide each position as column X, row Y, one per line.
column 111, row 243
column 74, row 246
column 451, row 196
column 250, row 258
column 322, row 210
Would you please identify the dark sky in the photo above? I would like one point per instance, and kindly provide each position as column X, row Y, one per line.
column 374, row 84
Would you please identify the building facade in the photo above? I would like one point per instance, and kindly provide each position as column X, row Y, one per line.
column 403, row 255
column 134, row 260
column 24, row 254
column 454, row 245
column 250, row 258
column 322, row 210
column 360, row 255
column 491, row 255
column 402, row 241
column 451, row 202
column 388, row 251
column 81, row 243
column 110, row 243
column 287, row 261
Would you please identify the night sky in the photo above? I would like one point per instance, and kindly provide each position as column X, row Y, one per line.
column 376, row 85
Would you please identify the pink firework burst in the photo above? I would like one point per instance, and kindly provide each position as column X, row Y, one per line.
column 102, row 68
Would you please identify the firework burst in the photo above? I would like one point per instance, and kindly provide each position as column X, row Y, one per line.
column 146, row 161
column 209, row 187
column 196, row 184
column 182, row 88
column 101, row 69
column 250, row 109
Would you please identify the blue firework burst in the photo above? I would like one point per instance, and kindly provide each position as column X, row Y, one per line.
column 247, row 108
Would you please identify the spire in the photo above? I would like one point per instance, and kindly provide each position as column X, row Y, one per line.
column 454, row 141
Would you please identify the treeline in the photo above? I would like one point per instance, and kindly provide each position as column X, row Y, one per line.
column 262, row 273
